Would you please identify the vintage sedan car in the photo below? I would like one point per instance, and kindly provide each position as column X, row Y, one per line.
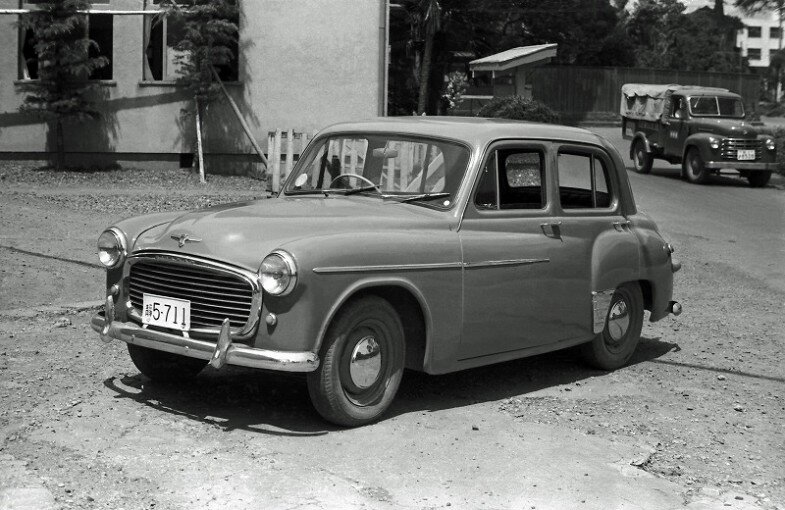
column 434, row 244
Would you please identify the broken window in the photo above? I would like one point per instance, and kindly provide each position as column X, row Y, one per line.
column 99, row 29
column 162, row 60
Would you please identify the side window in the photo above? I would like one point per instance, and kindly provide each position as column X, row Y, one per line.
column 512, row 179
column 677, row 103
column 583, row 181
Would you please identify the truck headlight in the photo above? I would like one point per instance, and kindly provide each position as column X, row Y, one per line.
column 770, row 144
column 714, row 142
column 278, row 273
column 112, row 247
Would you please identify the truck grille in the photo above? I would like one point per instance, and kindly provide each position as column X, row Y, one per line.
column 730, row 146
column 214, row 294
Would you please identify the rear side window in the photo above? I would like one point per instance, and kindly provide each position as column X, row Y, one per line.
column 512, row 179
column 583, row 181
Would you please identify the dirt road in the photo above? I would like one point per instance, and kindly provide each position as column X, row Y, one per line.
column 694, row 422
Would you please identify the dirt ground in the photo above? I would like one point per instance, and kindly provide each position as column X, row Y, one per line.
column 695, row 421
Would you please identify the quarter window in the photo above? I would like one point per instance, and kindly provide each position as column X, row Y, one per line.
column 512, row 179
column 583, row 181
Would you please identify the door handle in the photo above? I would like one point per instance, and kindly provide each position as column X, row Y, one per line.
column 619, row 225
column 551, row 229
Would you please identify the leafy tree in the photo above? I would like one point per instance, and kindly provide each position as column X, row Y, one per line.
column 63, row 90
column 665, row 37
column 519, row 108
column 206, row 50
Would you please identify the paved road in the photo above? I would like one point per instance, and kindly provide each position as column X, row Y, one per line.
column 737, row 223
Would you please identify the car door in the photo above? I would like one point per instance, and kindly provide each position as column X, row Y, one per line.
column 508, row 236
column 677, row 128
column 599, row 248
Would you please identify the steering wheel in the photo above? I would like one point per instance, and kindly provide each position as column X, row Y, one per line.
column 356, row 176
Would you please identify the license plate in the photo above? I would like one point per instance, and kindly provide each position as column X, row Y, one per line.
column 166, row 312
column 745, row 155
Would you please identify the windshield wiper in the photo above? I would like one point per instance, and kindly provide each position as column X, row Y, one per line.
column 425, row 196
column 354, row 191
column 306, row 192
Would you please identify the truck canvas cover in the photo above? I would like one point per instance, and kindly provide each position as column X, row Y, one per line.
column 643, row 101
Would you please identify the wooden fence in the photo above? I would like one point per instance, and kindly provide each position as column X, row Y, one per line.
column 582, row 93
column 284, row 147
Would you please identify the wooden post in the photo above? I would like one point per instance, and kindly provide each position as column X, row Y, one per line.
column 289, row 153
column 275, row 156
column 199, row 142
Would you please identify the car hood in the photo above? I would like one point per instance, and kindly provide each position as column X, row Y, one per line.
column 735, row 128
column 244, row 233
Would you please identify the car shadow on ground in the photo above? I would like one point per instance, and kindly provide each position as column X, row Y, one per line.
column 274, row 403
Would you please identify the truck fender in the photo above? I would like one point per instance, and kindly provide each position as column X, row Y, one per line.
column 639, row 135
column 701, row 142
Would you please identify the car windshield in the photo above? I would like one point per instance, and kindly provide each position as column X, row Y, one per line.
column 713, row 106
column 409, row 169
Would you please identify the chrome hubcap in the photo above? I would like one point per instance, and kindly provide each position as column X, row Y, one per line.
column 618, row 320
column 366, row 362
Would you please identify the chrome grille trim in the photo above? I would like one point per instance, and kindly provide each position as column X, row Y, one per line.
column 216, row 291
column 729, row 146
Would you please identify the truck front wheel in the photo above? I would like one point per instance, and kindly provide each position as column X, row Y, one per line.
column 641, row 160
column 758, row 179
column 693, row 167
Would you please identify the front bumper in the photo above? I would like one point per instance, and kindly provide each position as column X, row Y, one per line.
column 737, row 165
column 218, row 354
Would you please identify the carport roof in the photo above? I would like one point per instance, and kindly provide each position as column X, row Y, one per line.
column 515, row 57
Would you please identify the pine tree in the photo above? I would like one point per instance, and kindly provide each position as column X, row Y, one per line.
column 62, row 91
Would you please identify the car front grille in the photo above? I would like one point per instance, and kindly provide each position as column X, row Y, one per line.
column 215, row 294
column 730, row 146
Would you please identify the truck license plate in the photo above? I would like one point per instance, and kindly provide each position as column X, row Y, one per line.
column 745, row 155
column 166, row 312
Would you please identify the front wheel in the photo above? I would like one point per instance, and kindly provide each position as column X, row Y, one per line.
column 641, row 160
column 614, row 347
column 758, row 179
column 694, row 167
column 164, row 366
column 362, row 363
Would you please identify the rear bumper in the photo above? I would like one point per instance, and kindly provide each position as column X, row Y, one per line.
column 230, row 353
column 738, row 165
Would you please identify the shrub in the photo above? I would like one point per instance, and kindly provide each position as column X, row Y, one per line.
column 519, row 108
column 779, row 135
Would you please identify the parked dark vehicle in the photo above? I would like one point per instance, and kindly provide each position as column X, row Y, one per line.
column 435, row 244
column 703, row 128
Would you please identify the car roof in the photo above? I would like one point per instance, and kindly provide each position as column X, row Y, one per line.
column 475, row 131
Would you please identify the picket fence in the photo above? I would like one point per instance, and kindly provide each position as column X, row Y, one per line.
column 284, row 147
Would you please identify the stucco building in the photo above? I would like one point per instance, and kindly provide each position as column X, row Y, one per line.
column 301, row 65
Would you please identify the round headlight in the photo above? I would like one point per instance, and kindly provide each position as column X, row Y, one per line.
column 770, row 144
column 111, row 248
column 714, row 143
column 278, row 273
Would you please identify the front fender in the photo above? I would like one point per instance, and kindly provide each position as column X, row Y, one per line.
column 700, row 141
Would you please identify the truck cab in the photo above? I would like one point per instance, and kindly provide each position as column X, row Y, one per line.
column 702, row 128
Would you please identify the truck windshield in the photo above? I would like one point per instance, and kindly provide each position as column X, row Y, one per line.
column 713, row 106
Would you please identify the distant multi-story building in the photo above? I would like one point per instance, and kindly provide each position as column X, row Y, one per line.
column 760, row 38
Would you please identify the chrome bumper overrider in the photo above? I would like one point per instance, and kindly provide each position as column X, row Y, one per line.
column 218, row 354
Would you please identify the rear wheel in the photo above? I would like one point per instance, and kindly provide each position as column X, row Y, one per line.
column 758, row 179
column 362, row 363
column 614, row 347
column 694, row 168
column 164, row 366
column 641, row 160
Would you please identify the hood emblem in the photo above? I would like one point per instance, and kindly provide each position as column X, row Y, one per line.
column 185, row 238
